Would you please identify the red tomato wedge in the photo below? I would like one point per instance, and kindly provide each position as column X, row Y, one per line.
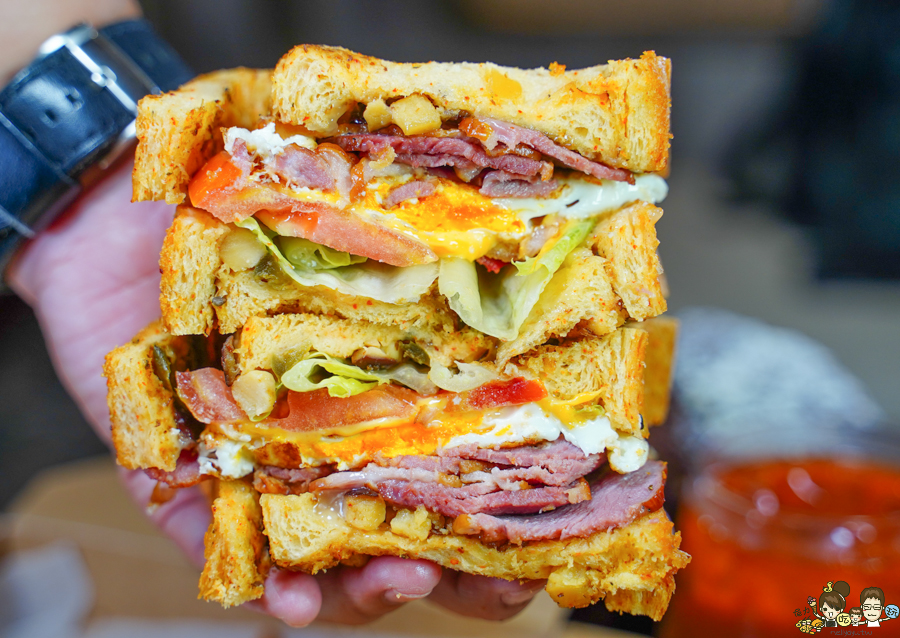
column 498, row 394
column 222, row 189
column 316, row 410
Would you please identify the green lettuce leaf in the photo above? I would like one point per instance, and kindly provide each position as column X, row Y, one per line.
column 498, row 304
column 318, row 370
column 371, row 279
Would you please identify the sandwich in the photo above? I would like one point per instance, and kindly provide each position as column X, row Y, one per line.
column 406, row 311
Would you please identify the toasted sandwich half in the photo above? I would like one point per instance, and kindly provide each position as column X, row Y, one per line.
column 520, row 203
column 333, row 440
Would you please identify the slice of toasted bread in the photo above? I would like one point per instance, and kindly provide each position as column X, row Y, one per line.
column 236, row 551
column 660, row 366
column 262, row 340
column 610, row 367
column 178, row 131
column 144, row 427
column 632, row 567
column 617, row 113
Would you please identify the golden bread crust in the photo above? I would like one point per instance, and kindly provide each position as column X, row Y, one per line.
column 627, row 239
column 660, row 362
column 617, row 113
column 632, row 567
column 245, row 296
column 144, row 430
column 178, row 131
column 234, row 547
column 188, row 264
column 580, row 290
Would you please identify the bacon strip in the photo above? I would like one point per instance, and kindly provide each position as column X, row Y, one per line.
column 278, row 480
column 492, row 265
column 207, row 396
column 304, row 168
column 185, row 474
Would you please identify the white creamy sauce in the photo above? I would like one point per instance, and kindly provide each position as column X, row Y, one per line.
column 529, row 422
column 582, row 199
column 266, row 142
column 221, row 457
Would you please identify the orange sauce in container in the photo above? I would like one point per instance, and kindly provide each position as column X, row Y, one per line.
column 765, row 536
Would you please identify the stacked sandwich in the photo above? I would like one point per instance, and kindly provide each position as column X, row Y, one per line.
column 406, row 311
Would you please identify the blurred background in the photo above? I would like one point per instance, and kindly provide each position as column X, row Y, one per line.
column 784, row 200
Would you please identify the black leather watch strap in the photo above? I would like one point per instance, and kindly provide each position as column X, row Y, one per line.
column 70, row 110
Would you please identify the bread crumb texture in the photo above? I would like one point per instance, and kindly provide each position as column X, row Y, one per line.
column 234, row 547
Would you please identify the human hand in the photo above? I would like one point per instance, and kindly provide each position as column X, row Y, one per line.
column 93, row 281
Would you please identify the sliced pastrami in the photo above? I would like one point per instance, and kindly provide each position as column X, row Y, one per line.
column 512, row 135
column 429, row 152
column 207, row 396
column 616, row 500
column 410, row 190
column 503, row 184
column 457, row 501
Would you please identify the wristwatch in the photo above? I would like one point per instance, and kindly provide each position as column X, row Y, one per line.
column 67, row 117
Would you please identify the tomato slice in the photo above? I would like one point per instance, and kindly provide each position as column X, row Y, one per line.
column 346, row 231
column 218, row 177
column 222, row 189
column 497, row 394
column 316, row 410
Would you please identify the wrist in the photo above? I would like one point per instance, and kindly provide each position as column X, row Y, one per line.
column 27, row 24
column 67, row 117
